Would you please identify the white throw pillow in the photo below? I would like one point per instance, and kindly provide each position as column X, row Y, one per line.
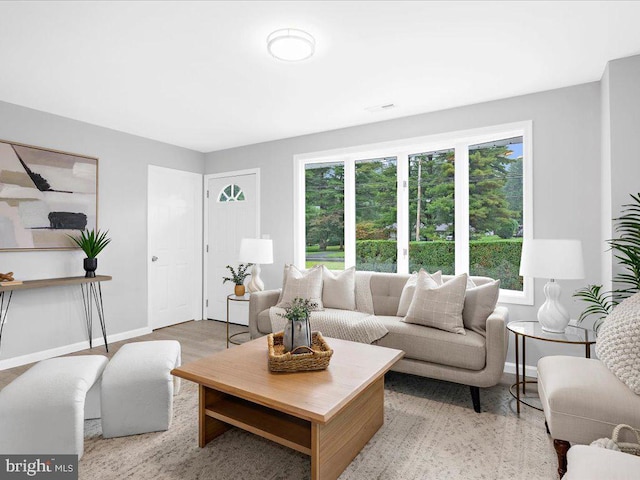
column 409, row 289
column 302, row 284
column 479, row 303
column 618, row 342
column 339, row 289
column 438, row 306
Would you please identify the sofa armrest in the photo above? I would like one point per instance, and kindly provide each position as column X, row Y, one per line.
column 496, row 344
column 258, row 302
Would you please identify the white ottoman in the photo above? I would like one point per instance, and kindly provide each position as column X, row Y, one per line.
column 137, row 388
column 43, row 410
column 594, row 463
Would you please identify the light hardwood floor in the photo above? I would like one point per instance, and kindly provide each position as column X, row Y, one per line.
column 197, row 339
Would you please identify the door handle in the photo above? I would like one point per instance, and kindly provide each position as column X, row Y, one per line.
column 154, row 259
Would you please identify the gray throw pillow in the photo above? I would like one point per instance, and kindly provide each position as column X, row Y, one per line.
column 409, row 289
column 339, row 289
column 438, row 306
column 479, row 303
column 618, row 342
column 302, row 284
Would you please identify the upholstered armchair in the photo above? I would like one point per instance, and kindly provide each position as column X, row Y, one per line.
column 585, row 399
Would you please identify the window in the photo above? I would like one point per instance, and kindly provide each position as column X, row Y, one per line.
column 231, row 193
column 376, row 214
column 495, row 210
column 432, row 211
column 456, row 203
column 324, row 215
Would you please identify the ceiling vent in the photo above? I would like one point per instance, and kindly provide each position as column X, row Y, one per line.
column 381, row 108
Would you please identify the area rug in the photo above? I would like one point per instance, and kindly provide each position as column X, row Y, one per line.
column 430, row 432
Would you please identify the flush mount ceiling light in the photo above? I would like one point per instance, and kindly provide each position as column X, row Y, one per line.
column 291, row 44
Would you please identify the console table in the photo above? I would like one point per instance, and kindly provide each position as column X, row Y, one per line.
column 91, row 292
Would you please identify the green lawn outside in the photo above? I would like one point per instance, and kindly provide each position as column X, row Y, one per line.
column 330, row 265
column 316, row 248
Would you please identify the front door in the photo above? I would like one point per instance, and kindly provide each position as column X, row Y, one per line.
column 232, row 216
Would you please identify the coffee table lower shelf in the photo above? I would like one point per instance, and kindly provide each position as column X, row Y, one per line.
column 266, row 422
column 331, row 445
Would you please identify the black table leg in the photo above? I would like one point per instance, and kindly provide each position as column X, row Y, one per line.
column 88, row 311
column 97, row 295
column 4, row 310
column 91, row 294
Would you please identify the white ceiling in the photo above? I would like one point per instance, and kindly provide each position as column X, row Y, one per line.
column 197, row 74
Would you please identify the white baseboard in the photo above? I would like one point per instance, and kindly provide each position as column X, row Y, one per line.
column 66, row 349
column 531, row 371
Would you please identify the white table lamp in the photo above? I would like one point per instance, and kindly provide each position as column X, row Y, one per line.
column 555, row 260
column 257, row 251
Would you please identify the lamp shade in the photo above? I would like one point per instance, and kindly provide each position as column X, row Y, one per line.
column 553, row 259
column 256, row 250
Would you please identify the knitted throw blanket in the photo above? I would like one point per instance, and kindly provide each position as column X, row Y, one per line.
column 364, row 300
column 343, row 324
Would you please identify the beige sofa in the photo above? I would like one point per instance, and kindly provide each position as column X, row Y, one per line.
column 472, row 359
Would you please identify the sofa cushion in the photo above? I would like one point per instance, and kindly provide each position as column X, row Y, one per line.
column 409, row 289
column 386, row 289
column 618, row 342
column 433, row 345
column 302, row 284
column 438, row 306
column 339, row 289
column 583, row 400
column 479, row 302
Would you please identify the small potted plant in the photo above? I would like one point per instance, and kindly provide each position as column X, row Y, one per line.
column 92, row 242
column 297, row 331
column 237, row 277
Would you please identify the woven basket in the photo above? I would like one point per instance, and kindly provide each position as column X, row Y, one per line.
column 300, row 359
column 626, row 447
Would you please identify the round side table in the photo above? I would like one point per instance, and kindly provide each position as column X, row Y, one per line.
column 573, row 335
column 235, row 298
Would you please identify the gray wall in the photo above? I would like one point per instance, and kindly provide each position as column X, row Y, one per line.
column 566, row 171
column 622, row 87
column 52, row 317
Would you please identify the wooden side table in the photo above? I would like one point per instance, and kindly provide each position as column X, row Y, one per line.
column 573, row 335
column 91, row 294
column 235, row 298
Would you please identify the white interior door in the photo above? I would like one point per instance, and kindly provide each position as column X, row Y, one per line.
column 174, row 246
column 232, row 215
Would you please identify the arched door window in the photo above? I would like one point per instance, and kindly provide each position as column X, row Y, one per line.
column 231, row 193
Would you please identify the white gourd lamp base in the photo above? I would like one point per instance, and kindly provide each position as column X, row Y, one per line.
column 552, row 316
column 256, row 284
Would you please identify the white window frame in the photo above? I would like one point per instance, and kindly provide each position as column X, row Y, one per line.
column 401, row 149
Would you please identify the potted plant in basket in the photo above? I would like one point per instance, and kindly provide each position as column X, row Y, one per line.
column 92, row 242
column 297, row 331
column 237, row 277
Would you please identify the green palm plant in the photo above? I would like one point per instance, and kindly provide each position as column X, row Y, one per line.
column 626, row 250
column 92, row 242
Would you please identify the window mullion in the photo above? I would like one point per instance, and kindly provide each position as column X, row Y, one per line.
column 402, row 216
column 349, row 213
column 462, row 208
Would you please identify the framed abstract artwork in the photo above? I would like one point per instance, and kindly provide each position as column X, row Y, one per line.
column 45, row 195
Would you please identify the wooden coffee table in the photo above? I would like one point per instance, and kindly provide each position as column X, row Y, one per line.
column 329, row 414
